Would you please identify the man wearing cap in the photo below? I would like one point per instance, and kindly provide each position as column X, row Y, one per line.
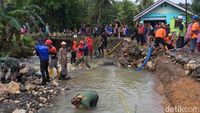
column 160, row 35
column 180, row 33
column 63, row 60
column 43, row 52
column 53, row 59
column 194, row 32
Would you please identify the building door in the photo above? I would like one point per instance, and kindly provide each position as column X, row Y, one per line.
column 154, row 22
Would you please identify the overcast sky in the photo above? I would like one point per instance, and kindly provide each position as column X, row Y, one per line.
column 176, row 1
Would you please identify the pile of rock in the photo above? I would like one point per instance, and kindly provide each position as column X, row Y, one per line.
column 188, row 62
column 32, row 98
column 132, row 54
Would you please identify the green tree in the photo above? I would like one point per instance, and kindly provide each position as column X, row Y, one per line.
column 129, row 9
column 195, row 6
column 101, row 6
column 143, row 4
column 60, row 14
column 12, row 19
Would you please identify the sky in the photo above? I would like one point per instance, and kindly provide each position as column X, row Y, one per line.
column 176, row 1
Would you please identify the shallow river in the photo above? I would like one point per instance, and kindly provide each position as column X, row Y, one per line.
column 120, row 90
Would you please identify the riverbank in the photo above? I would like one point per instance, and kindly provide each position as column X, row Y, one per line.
column 177, row 72
column 31, row 96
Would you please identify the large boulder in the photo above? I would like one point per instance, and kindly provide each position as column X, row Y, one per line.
column 3, row 88
column 151, row 66
column 29, row 71
column 19, row 111
column 11, row 88
column 192, row 65
column 30, row 86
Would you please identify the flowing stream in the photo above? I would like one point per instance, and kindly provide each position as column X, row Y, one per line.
column 120, row 90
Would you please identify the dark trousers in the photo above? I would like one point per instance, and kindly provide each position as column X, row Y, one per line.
column 140, row 39
column 44, row 69
column 73, row 57
column 180, row 42
column 105, row 44
column 101, row 50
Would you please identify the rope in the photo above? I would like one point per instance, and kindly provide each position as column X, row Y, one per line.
column 108, row 53
column 123, row 101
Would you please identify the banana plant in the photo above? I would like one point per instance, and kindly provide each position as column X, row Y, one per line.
column 11, row 21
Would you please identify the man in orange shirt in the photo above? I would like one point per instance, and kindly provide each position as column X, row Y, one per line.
column 170, row 42
column 194, row 33
column 73, row 51
column 53, row 59
column 160, row 34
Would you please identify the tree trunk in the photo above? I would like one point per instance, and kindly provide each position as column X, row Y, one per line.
column 1, row 3
column 99, row 14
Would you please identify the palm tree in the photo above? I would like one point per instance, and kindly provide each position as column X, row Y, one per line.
column 101, row 5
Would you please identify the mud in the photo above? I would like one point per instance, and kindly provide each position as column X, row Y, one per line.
column 180, row 90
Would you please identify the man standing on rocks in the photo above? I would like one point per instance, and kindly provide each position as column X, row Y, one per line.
column 43, row 52
column 180, row 33
column 195, row 30
column 140, row 36
column 160, row 35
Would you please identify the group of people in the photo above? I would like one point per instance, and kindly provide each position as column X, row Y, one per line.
column 50, row 58
column 161, row 34
column 117, row 29
column 82, row 51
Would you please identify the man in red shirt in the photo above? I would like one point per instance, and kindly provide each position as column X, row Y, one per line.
column 80, row 46
column 140, row 37
column 89, row 41
column 73, row 51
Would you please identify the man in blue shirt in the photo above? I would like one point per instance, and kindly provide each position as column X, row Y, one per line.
column 43, row 53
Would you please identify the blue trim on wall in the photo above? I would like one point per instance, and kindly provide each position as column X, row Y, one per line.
column 165, row 10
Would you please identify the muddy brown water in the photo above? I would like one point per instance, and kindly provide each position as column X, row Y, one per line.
column 120, row 90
